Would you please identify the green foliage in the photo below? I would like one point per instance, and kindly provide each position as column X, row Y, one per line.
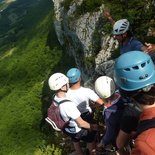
column 88, row 6
column 115, row 54
column 24, row 66
column 47, row 150
column 3, row 5
column 137, row 12
column 66, row 4
column 89, row 61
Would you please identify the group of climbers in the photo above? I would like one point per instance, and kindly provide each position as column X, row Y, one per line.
column 127, row 99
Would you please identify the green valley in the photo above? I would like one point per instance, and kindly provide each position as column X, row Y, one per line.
column 29, row 53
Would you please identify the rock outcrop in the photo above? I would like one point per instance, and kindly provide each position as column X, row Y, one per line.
column 84, row 38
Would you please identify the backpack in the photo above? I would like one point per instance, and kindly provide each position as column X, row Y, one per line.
column 54, row 117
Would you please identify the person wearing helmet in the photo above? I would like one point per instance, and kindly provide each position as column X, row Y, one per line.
column 123, row 34
column 82, row 96
column 114, row 115
column 78, row 129
column 137, row 78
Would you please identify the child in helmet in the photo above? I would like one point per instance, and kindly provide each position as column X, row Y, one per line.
column 137, row 78
column 115, row 115
column 78, row 129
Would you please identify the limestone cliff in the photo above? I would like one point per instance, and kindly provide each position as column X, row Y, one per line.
column 84, row 38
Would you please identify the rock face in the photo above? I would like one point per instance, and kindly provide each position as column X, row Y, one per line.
column 84, row 38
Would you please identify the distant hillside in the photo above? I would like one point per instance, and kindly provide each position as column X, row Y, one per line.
column 29, row 53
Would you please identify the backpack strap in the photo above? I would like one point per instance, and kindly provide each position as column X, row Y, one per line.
column 58, row 103
column 63, row 101
column 145, row 125
column 52, row 123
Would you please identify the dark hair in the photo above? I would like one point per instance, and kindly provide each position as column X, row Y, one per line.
column 130, row 33
column 145, row 98
column 125, row 93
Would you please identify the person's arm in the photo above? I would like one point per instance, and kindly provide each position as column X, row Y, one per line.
column 106, row 13
column 72, row 112
column 100, row 102
column 83, row 124
column 94, row 99
column 121, row 141
column 149, row 48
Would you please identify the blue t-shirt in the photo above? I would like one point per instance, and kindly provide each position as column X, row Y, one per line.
column 132, row 45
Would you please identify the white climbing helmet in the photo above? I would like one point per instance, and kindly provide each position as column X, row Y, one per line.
column 121, row 26
column 105, row 86
column 57, row 80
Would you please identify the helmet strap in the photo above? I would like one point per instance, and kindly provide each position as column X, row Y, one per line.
column 64, row 88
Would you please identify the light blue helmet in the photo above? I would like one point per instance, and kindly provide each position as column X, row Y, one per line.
column 74, row 75
column 134, row 70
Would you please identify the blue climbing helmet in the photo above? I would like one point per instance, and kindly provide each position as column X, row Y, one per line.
column 134, row 70
column 74, row 75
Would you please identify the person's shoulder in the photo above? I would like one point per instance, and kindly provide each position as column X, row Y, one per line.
column 131, row 110
column 67, row 103
column 135, row 40
column 82, row 88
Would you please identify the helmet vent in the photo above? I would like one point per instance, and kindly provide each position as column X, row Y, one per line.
column 135, row 68
column 143, row 77
column 148, row 61
column 143, row 65
column 127, row 69
column 116, row 30
column 122, row 30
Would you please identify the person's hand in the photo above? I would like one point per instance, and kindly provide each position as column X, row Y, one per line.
column 94, row 127
column 149, row 47
column 106, row 13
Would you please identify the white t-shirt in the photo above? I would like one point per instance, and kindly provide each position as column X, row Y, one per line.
column 68, row 110
column 81, row 98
